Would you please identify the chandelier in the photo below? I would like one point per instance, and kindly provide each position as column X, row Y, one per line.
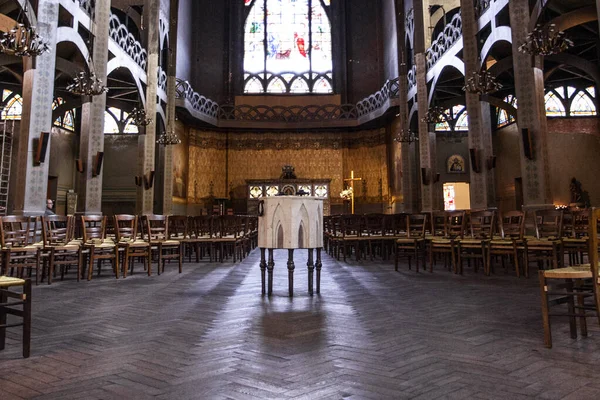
column 168, row 139
column 434, row 115
column 406, row 136
column 545, row 41
column 482, row 82
column 139, row 117
column 22, row 41
column 85, row 84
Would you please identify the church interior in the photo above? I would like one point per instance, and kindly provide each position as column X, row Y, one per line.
column 437, row 158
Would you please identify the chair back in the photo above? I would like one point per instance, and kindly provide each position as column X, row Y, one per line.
column 351, row 225
column 454, row 226
column 580, row 221
column 93, row 227
column 178, row 227
column 416, row 224
column 156, row 227
column 438, row 223
column 512, row 225
column 57, row 229
column 230, row 226
column 15, row 230
column 482, row 224
column 373, row 225
column 593, row 228
column 548, row 223
column 202, row 225
column 126, row 227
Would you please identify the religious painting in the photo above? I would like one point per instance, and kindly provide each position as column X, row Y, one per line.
column 455, row 164
column 180, row 165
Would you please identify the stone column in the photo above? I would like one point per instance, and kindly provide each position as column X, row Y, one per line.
column 480, row 132
column 147, row 142
column 403, row 160
column 92, row 117
column 529, row 87
column 171, row 86
column 38, row 90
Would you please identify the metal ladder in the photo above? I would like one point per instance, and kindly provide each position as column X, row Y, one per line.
column 6, row 143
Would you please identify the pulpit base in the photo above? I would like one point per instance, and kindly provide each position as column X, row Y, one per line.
column 266, row 271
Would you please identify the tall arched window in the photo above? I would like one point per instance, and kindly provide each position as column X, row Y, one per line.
column 456, row 120
column 567, row 101
column 287, row 47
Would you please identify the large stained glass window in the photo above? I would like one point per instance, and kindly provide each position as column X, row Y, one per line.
column 287, row 47
column 504, row 118
column 457, row 120
column 567, row 101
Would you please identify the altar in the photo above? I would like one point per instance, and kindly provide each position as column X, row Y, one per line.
column 290, row 222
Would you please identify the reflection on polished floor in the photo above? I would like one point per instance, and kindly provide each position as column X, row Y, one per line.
column 372, row 333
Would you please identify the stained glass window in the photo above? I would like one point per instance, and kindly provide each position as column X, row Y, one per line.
column 582, row 105
column 504, row 118
column 5, row 94
column 110, row 123
column 321, row 191
column 554, row 105
column 272, row 190
column 287, row 39
column 256, row 192
column 13, row 109
column 68, row 121
column 462, row 122
column 305, row 188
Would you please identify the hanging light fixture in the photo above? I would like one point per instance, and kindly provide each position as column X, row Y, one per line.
column 406, row 136
column 482, row 82
column 139, row 117
column 23, row 40
column 545, row 41
column 434, row 115
column 168, row 139
column 87, row 84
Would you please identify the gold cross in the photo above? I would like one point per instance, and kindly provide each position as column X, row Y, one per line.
column 351, row 180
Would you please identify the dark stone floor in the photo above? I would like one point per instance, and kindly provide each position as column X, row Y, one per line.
column 372, row 333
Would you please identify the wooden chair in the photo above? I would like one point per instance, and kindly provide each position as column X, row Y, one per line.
column 454, row 229
column 17, row 251
column 62, row 251
column 7, row 307
column 414, row 242
column 100, row 248
column 180, row 228
column 126, row 231
column 511, row 225
column 571, row 287
column 545, row 246
column 351, row 228
column 202, row 226
column 575, row 236
column 156, row 232
column 475, row 244
column 229, row 237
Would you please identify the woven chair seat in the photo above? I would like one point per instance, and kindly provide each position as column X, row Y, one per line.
column 9, row 281
column 576, row 272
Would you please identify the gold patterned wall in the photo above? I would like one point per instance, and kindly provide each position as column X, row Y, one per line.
column 228, row 159
column 207, row 162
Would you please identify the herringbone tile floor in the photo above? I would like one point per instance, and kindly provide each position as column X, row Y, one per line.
column 372, row 333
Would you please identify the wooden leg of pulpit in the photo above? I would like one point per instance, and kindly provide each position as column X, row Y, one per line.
column 311, row 268
column 318, row 265
column 290, row 265
column 270, row 266
column 263, row 269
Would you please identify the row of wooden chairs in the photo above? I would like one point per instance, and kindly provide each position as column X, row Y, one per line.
column 59, row 242
column 482, row 235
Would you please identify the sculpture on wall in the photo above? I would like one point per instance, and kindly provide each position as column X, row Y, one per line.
column 287, row 172
column 579, row 197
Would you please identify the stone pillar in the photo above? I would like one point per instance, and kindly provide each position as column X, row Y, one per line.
column 38, row 90
column 92, row 117
column 431, row 194
column 403, row 160
column 480, row 132
column 171, row 86
column 529, row 87
column 147, row 142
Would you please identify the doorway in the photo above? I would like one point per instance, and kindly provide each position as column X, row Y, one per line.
column 457, row 196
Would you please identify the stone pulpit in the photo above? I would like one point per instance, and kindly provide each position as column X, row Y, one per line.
column 290, row 222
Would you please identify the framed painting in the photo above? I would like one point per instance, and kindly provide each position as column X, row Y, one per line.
column 455, row 164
